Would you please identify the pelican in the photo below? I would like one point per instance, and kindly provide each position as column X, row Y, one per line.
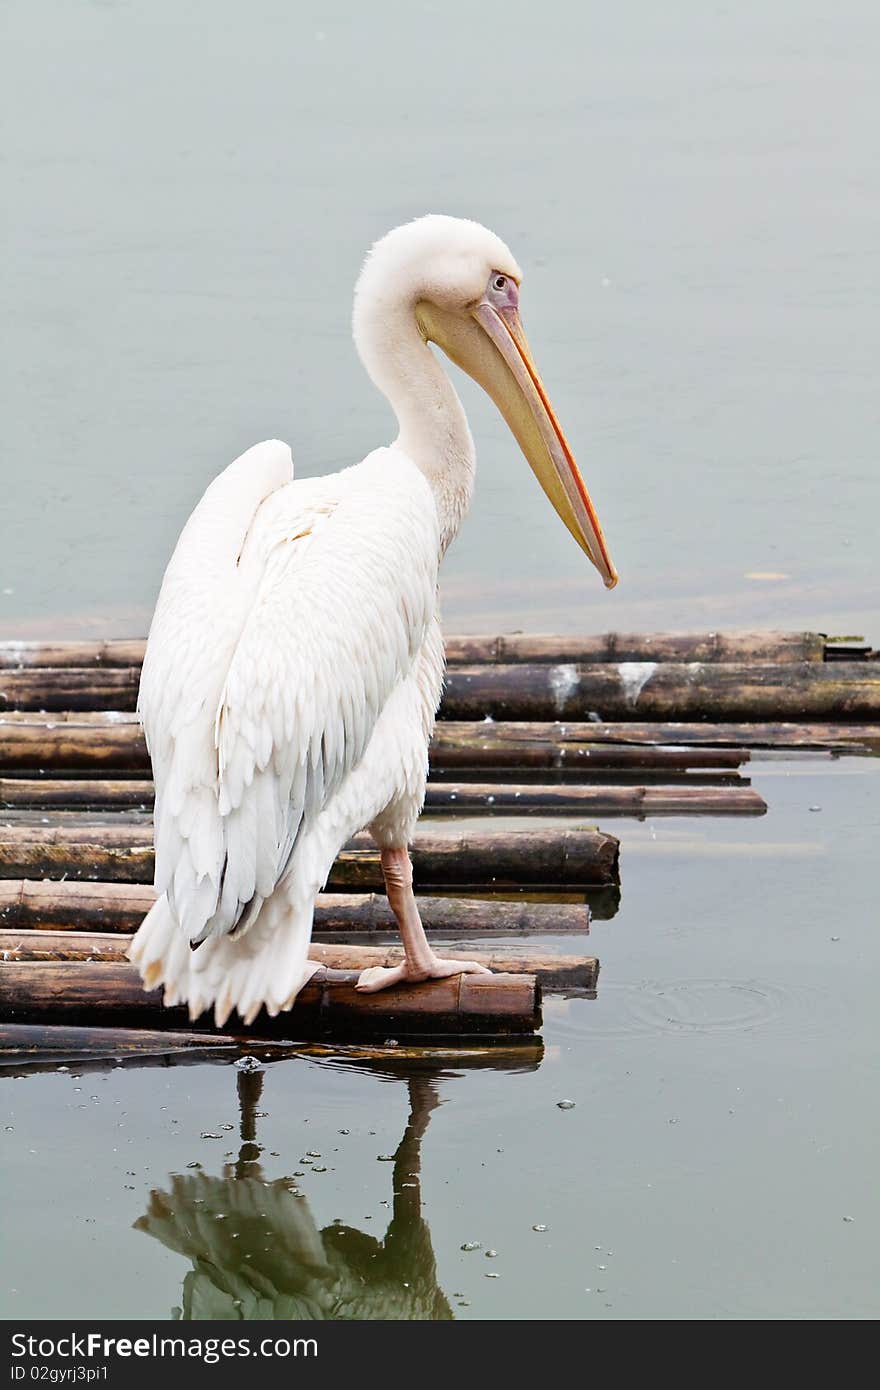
column 295, row 661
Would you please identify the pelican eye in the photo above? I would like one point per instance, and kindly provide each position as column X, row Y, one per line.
column 499, row 282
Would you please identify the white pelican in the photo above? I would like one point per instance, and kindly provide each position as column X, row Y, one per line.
column 295, row 661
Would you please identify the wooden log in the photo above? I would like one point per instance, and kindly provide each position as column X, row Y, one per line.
column 111, row 995
column 546, row 690
column 841, row 690
column 26, row 1048
column 114, row 652
column 609, row 801
column 53, row 1045
column 78, row 743
column 570, row 748
column 609, row 646
column 553, row 972
column 47, row 905
column 698, row 797
column 557, row 859
column 636, row 646
column 73, row 742
column 69, row 688
column 99, row 743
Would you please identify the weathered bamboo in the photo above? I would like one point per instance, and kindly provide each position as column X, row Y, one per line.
column 47, row 905
column 842, row 690
column 111, row 995
column 69, row 688
column 510, row 746
column 47, row 1044
column 73, row 742
column 124, row 853
column 698, row 798
column 100, row 742
column 73, row 794
column 610, row 646
column 637, row 646
column 546, row 690
column 677, row 800
column 32, row 1047
column 553, row 972
column 115, row 652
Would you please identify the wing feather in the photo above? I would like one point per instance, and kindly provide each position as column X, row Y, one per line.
column 268, row 665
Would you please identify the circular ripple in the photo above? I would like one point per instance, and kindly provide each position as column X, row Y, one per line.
column 693, row 1008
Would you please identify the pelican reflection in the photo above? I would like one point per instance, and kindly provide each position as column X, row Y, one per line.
column 256, row 1251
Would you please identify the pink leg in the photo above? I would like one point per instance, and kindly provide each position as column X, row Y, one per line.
column 420, row 962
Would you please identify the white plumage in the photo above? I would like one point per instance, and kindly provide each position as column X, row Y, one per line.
column 294, row 663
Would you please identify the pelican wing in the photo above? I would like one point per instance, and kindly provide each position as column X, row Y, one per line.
column 288, row 614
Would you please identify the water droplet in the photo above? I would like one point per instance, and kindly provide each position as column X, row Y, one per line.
column 849, row 1218
column 385, row 1158
column 248, row 1063
column 227, row 1127
column 10, row 1129
column 472, row 1245
column 195, row 1164
column 491, row 1254
column 319, row 1168
column 312, row 1153
column 835, row 938
column 391, row 1042
column 539, row 1227
column 815, row 808
column 565, row 1104
column 206, row 1134
column 345, row 1131
column 491, row 1275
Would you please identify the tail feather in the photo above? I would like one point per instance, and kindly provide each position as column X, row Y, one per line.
column 266, row 967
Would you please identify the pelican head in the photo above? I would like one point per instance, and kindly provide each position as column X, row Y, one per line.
column 461, row 285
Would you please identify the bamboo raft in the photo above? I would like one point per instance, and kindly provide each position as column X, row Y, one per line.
column 614, row 725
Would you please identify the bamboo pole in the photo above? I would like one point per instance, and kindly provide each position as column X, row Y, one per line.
column 563, row 748
column 610, row 646
column 47, row 905
column 698, row 798
column 32, row 1047
column 72, row 742
column 49, row 1045
column 637, row 646
column 841, row 690
column 488, row 862
column 111, row 995
column 99, row 742
column 116, row 652
column 556, row 972
column 69, row 688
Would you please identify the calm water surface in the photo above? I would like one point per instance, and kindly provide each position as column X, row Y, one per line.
column 694, row 193
column 720, row 1161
